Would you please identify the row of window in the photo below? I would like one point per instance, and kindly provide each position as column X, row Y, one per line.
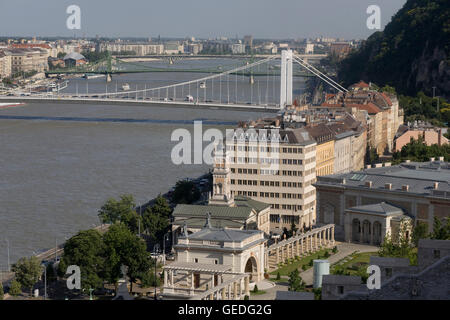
column 264, row 183
column 268, row 149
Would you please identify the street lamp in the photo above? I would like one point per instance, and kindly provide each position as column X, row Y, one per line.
column 166, row 237
column 9, row 268
column 45, row 280
column 155, row 253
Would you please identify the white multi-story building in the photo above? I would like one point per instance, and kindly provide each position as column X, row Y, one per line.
column 277, row 167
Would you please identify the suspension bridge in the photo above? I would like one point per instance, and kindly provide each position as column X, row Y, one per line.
column 262, row 85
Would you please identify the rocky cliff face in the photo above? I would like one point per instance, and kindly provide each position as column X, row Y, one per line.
column 431, row 70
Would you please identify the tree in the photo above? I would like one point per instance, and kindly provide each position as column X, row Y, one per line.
column 295, row 282
column 61, row 55
column 125, row 248
column 161, row 206
column 117, row 210
column 15, row 289
column 28, row 272
column 155, row 224
column 51, row 275
column 86, row 250
column 185, row 192
column 148, row 279
column 2, row 293
column 420, row 232
column 402, row 248
column 441, row 229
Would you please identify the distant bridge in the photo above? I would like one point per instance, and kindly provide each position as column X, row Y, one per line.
column 222, row 89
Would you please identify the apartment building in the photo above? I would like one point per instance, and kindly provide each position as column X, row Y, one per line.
column 5, row 65
column 141, row 49
column 324, row 137
column 28, row 59
column 379, row 110
column 276, row 167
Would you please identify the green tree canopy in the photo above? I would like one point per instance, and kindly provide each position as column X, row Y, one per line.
column 125, row 248
column 155, row 224
column 441, row 229
column 296, row 282
column 185, row 192
column 15, row 289
column 117, row 210
column 28, row 272
column 86, row 250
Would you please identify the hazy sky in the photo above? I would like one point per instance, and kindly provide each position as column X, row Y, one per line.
column 199, row 18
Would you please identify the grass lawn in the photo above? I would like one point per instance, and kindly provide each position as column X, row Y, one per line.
column 352, row 263
column 297, row 264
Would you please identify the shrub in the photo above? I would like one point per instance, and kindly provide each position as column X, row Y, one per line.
column 335, row 249
column 255, row 289
column 326, row 254
column 246, row 297
column 278, row 276
column 15, row 288
column 1, row 291
column 304, row 267
column 310, row 263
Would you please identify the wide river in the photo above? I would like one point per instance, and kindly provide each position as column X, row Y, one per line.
column 60, row 162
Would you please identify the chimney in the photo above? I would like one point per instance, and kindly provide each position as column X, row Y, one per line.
column 405, row 187
column 369, row 184
column 388, row 186
column 436, row 185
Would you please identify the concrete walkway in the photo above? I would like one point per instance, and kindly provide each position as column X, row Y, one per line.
column 344, row 250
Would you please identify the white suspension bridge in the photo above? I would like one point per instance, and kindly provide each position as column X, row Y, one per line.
column 253, row 86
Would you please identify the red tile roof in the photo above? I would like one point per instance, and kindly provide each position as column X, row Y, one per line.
column 31, row 45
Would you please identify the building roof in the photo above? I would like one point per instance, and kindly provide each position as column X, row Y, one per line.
column 340, row 279
column 298, row 136
column 294, row 295
column 222, row 234
column 258, row 206
column 381, row 208
column 419, row 176
column 74, row 56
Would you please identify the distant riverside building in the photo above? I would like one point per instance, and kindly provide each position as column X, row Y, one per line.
column 279, row 174
column 368, row 204
column 74, row 59
column 28, row 59
column 238, row 48
column 141, row 49
column 340, row 49
column 5, row 65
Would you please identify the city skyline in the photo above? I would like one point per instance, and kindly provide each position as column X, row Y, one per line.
column 307, row 19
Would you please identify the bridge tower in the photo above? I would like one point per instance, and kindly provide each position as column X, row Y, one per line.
column 286, row 79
